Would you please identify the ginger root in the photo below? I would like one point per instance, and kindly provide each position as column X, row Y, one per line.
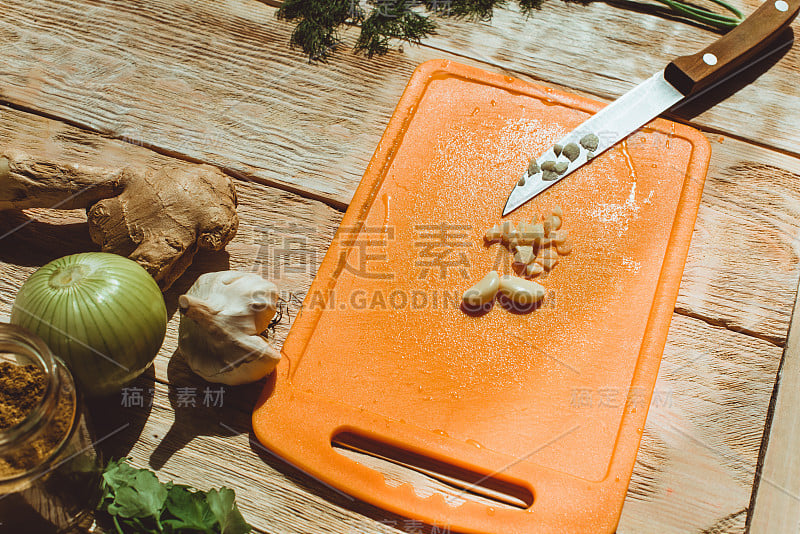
column 163, row 217
column 158, row 218
column 27, row 182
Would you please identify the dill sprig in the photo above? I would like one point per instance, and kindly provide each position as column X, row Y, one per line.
column 392, row 19
column 318, row 21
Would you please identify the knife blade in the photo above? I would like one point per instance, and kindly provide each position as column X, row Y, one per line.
column 684, row 77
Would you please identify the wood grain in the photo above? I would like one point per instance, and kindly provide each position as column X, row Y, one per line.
column 216, row 82
column 612, row 47
column 290, row 114
column 687, row 439
column 777, row 491
column 698, row 455
column 204, row 80
column 743, row 261
column 281, row 235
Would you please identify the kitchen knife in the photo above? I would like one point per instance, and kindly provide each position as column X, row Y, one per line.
column 683, row 77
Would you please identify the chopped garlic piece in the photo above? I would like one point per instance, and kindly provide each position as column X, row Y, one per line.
column 493, row 234
column 530, row 233
column 559, row 237
column 533, row 269
column 549, row 259
column 510, row 232
column 564, row 248
column 524, row 255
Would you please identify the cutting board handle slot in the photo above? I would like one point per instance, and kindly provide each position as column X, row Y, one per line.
column 457, row 484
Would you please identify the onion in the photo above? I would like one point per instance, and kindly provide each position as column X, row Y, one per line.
column 103, row 314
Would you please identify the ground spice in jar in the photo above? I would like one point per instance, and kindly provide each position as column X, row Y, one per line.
column 49, row 468
column 21, row 389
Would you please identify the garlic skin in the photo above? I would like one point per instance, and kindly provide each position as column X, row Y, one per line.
column 222, row 315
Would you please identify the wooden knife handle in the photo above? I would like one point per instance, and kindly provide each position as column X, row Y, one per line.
column 690, row 74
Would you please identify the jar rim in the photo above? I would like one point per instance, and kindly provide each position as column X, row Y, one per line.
column 16, row 337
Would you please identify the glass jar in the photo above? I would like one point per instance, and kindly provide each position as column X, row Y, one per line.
column 49, row 468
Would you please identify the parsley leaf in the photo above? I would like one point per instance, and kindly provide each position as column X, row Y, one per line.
column 189, row 510
column 223, row 506
column 137, row 493
column 134, row 501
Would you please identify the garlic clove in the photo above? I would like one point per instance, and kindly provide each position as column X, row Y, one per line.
column 520, row 291
column 222, row 316
column 483, row 291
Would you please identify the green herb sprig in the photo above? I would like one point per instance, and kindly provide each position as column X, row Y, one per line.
column 134, row 501
column 383, row 21
column 706, row 16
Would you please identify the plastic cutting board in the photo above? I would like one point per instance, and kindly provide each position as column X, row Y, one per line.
column 547, row 406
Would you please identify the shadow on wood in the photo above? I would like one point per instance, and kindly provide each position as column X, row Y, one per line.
column 25, row 240
column 201, row 408
column 108, row 415
column 309, row 483
column 703, row 101
column 204, row 262
column 659, row 11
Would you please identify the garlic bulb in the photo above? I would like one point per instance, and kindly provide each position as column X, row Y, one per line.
column 222, row 315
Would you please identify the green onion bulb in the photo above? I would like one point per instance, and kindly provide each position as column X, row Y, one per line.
column 101, row 313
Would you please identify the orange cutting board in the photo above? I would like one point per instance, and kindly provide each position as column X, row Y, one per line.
column 549, row 404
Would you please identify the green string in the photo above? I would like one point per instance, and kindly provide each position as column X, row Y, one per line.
column 704, row 15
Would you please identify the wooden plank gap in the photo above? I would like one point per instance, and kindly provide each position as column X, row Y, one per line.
column 775, row 501
column 777, row 341
column 335, row 202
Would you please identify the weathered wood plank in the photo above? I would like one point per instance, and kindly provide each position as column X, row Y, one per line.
column 209, row 444
column 697, row 459
column 216, row 82
column 606, row 48
column 205, row 80
column 776, row 498
column 705, row 367
column 693, row 474
column 743, row 265
column 318, row 114
column 281, row 234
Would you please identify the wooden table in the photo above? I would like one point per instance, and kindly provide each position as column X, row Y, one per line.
column 155, row 81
